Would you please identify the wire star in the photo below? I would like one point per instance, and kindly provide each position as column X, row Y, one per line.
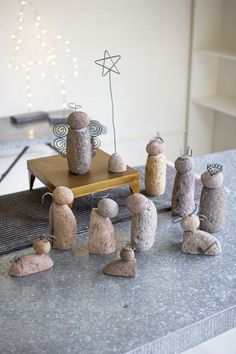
column 108, row 63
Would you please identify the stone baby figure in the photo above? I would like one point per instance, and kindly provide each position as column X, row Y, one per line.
column 182, row 202
column 144, row 222
column 102, row 238
column 155, row 172
column 123, row 267
column 213, row 199
column 197, row 241
column 78, row 147
column 62, row 223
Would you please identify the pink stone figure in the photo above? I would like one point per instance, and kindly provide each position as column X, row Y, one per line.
column 62, row 223
column 102, row 238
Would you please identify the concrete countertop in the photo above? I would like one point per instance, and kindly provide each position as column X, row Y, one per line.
column 175, row 302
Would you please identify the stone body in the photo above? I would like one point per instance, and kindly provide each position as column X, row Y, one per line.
column 200, row 242
column 102, row 238
column 78, row 146
column 144, row 222
column 155, row 175
column 116, row 163
column 30, row 264
column 212, row 202
column 62, row 222
column 124, row 267
column 197, row 241
column 182, row 202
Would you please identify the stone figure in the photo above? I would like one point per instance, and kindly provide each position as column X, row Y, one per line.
column 123, row 267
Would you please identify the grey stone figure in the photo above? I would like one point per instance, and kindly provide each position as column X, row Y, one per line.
column 197, row 241
column 144, row 222
column 182, row 202
column 78, row 147
column 213, row 199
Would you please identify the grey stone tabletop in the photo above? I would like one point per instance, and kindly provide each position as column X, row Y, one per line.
column 175, row 302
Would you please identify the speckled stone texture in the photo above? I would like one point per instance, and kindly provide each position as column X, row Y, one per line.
column 102, row 238
column 182, row 202
column 30, row 264
column 120, row 268
column 79, row 150
column 108, row 208
column 143, row 228
column 200, row 242
column 212, row 202
column 116, row 163
column 62, row 222
column 155, row 175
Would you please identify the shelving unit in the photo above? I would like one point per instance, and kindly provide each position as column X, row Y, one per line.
column 212, row 92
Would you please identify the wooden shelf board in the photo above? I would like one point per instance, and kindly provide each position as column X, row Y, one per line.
column 228, row 54
column 222, row 104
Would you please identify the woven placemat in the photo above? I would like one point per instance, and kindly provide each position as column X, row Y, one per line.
column 23, row 217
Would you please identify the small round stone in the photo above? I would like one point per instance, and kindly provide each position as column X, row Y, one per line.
column 127, row 254
column 116, row 164
column 154, row 148
column 212, row 181
column 184, row 164
column 78, row 120
column 63, row 195
column 41, row 246
column 136, row 203
column 108, row 208
column 190, row 223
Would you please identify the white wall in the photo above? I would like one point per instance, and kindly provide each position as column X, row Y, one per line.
column 152, row 37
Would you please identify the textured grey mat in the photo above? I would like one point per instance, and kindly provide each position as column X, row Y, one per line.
column 23, row 217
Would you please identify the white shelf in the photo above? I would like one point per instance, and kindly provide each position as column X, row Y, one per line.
column 221, row 104
column 228, row 54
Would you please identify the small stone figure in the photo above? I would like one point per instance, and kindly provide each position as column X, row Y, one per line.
column 197, row 241
column 155, row 172
column 124, row 267
column 62, row 223
column 144, row 221
column 213, row 199
column 35, row 262
column 182, row 202
column 102, row 238
column 78, row 148
column 116, row 163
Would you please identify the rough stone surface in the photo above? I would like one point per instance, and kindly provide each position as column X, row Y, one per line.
column 62, row 225
column 116, row 163
column 121, row 268
column 78, row 120
column 190, row 223
column 108, row 208
column 136, row 203
column 212, row 206
column 102, row 238
column 41, row 246
column 79, row 150
column 155, row 147
column 212, row 181
column 143, row 228
column 184, row 164
column 127, row 254
column 155, row 175
column 30, row 264
column 63, row 195
column 200, row 242
column 182, row 202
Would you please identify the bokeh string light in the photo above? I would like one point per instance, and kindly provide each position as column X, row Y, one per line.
column 48, row 59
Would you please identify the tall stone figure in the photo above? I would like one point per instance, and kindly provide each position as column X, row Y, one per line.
column 78, row 143
column 155, row 172
column 62, row 223
column 144, row 221
column 102, row 238
column 182, row 202
column 213, row 198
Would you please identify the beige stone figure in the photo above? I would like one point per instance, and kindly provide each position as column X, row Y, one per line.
column 123, row 267
column 102, row 238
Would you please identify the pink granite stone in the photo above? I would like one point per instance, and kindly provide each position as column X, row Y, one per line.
column 30, row 264
column 155, row 147
column 137, row 203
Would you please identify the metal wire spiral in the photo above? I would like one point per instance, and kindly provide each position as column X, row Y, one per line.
column 95, row 128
